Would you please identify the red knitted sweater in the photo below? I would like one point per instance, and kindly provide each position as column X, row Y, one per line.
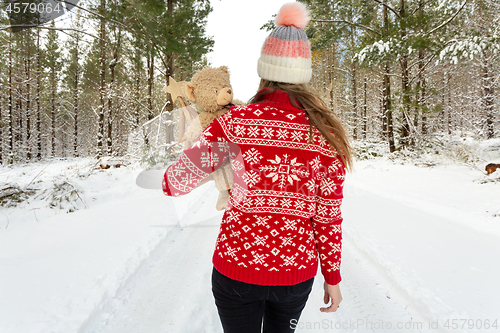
column 284, row 207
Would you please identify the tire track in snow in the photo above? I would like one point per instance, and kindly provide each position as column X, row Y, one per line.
column 172, row 293
column 154, row 298
column 434, row 266
column 368, row 304
column 167, row 294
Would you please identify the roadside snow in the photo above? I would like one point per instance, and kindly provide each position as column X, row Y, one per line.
column 58, row 269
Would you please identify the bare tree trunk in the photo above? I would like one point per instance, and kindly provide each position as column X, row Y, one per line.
column 137, row 89
column 405, row 128
column 448, row 112
column 38, row 111
column 388, row 109
column 75, row 98
column 488, row 97
column 9, row 120
column 354, row 90
column 53, row 112
column 383, row 111
column 354, row 103
column 487, row 81
column 421, row 84
column 110, row 108
column 102, row 81
column 151, row 62
column 386, row 91
column 169, row 72
column 19, row 115
column 365, row 119
column 28, row 101
column 422, row 104
column 331, row 58
column 442, row 124
column 112, row 68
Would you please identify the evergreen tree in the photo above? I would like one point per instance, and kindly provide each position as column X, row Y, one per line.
column 73, row 76
column 52, row 63
column 405, row 34
column 477, row 42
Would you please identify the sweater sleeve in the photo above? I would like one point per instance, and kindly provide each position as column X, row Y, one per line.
column 198, row 161
column 327, row 221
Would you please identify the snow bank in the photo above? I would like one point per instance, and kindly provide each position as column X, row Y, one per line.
column 58, row 269
column 431, row 233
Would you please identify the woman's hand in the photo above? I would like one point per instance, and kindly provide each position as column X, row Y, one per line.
column 333, row 293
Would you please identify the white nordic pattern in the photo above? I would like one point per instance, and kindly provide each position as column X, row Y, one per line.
column 296, row 136
column 282, row 134
column 248, row 237
column 315, row 164
column 251, row 178
column 253, row 131
column 327, row 186
column 252, row 156
column 284, row 170
column 267, row 132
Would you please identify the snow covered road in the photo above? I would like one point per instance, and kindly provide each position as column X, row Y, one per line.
column 403, row 269
column 420, row 254
column 172, row 292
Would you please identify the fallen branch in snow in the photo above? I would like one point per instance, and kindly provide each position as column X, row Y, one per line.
column 9, row 191
column 8, row 221
column 64, row 195
column 38, row 174
column 78, row 194
column 13, row 193
column 33, row 209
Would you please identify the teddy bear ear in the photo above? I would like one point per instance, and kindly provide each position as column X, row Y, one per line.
column 189, row 91
column 224, row 68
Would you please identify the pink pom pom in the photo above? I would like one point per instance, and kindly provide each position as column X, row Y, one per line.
column 294, row 13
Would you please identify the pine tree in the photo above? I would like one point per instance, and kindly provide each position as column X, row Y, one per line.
column 38, row 126
column 73, row 76
column 52, row 62
column 4, row 41
column 184, row 33
column 127, row 63
column 389, row 34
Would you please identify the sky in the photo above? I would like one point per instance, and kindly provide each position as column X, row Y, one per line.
column 235, row 27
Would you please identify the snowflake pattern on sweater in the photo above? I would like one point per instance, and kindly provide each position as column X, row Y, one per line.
column 284, row 207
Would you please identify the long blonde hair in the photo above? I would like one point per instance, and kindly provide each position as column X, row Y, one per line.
column 325, row 120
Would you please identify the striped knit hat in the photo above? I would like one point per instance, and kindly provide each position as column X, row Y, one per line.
column 286, row 54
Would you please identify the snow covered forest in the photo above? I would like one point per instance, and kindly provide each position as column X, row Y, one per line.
column 401, row 72
column 406, row 71
column 78, row 86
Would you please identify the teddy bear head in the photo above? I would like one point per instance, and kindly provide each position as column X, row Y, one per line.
column 210, row 89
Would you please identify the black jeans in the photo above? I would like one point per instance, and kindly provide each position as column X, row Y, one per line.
column 247, row 308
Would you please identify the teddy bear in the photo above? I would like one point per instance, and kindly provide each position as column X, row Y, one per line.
column 210, row 89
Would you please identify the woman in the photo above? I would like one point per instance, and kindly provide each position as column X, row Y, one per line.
column 289, row 155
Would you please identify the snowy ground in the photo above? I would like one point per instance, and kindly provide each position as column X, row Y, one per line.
column 420, row 253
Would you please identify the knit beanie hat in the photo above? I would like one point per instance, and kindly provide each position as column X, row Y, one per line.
column 286, row 54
